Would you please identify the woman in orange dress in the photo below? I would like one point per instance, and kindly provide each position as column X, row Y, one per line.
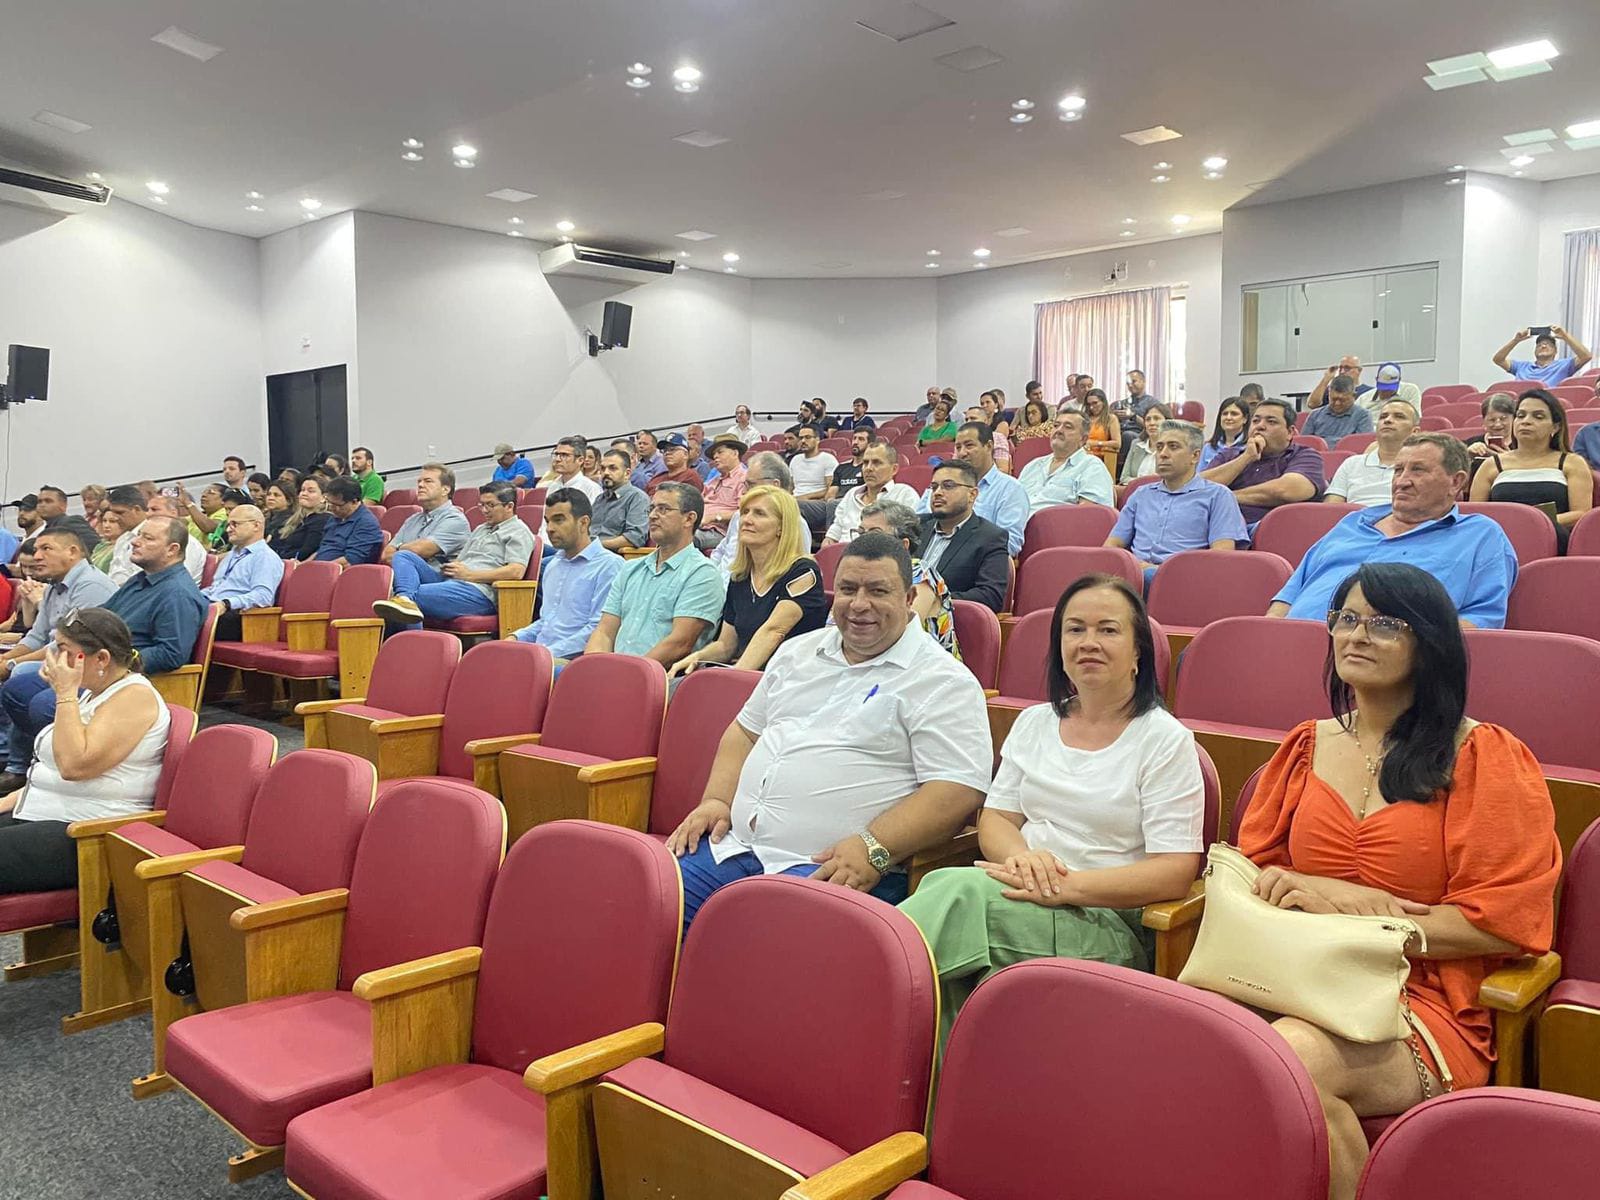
column 1401, row 806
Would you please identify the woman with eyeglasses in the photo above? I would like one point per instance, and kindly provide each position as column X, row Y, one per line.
column 100, row 757
column 1402, row 806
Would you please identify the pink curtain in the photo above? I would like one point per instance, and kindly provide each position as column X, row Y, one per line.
column 1105, row 336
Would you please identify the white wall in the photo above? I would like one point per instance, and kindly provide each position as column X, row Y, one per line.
column 308, row 298
column 985, row 318
column 1499, row 271
column 1565, row 205
column 154, row 339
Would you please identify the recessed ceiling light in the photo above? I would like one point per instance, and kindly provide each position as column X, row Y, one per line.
column 1521, row 56
column 412, row 144
column 730, row 257
column 311, row 204
column 1453, row 181
column 1518, row 174
column 1522, row 160
column 1071, row 115
column 565, row 226
column 1126, row 233
column 563, row 238
column 1148, row 137
column 1013, row 231
column 934, row 253
column 511, row 195
column 1072, row 102
column 638, row 82
column 683, row 254
column 1584, row 129
column 1532, row 148
column 514, row 221
column 1213, row 174
column 1159, row 178
column 411, row 156
column 930, row 264
column 309, row 216
column 252, row 195
column 95, row 176
column 56, row 120
column 159, row 188
column 730, row 270
column 1130, row 220
column 982, row 266
column 1459, row 167
column 1180, row 218
column 184, row 42
column 464, row 150
column 702, row 138
column 1021, row 118
column 639, row 68
column 158, row 199
column 981, row 252
column 465, row 163
column 695, row 235
column 1163, row 166
column 253, row 208
column 1215, row 163
column 514, row 233
column 687, row 74
column 686, row 86
column 1022, row 105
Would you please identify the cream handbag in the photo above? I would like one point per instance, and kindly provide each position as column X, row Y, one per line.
column 1345, row 974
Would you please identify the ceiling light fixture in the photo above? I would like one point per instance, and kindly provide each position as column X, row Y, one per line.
column 1072, row 102
column 685, row 86
column 1521, row 56
column 311, row 204
column 464, row 150
column 412, row 144
column 95, row 176
column 687, row 74
column 1215, row 163
column 1518, row 174
column 982, row 266
column 730, row 257
column 514, row 221
column 1459, row 167
column 730, row 270
column 158, row 199
column 638, row 82
column 1021, row 118
column 981, row 252
column 1159, row 178
column 1022, row 105
column 1584, row 129
column 1522, row 160
column 515, row 233
column 511, row 195
column 465, row 163
column 639, row 68
column 1163, row 166
column 683, row 254
column 1071, row 114
column 252, row 195
column 411, row 156
column 1181, row 218
column 1126, row 233
column 1213, row 174
column 253, row 208
column 1130, row 220
column 1148, row 137
column 565, row 226
column 934, row 253
column 157, row 187
column 309, row 216
column 930, row 264
column 1453, row 181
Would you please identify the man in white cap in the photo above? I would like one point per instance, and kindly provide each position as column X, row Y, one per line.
column 1389, row 386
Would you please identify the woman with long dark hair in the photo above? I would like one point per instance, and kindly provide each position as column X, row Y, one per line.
column 1233, row 418
column 1097, row 810
column 1402, row 806
column 1539, row 468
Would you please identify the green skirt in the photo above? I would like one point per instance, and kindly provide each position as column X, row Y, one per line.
column 974, row 931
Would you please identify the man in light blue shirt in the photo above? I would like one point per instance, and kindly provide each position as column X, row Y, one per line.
column 435, row 534
column 575, row 582
column 650, row 463
column 512, row 468
column 1001, row 499
column 1545, row 367
column 1468, row 553
column 1071, row 475
column 248, row 575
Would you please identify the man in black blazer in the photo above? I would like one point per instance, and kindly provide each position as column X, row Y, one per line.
column 971, row 554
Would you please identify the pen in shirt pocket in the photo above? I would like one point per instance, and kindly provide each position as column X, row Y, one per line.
column 870, row 694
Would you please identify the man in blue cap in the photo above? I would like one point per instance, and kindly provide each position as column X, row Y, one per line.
column 675, row 456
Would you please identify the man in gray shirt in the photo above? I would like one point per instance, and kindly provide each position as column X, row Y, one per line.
column 463, row 587
column 433, row 535
column 621, row 512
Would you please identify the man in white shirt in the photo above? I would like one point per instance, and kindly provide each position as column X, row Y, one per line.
column 1071, row 475
column 862, row 744
column 566, row 470
column 879, row 463
column 812, row 467
column 127, row 505
column 1368, row 478
column 743, row 427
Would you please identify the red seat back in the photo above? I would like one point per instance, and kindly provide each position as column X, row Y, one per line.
column 1585, row 538
column 1242, row 805
column 216, row 783
column 977, row 632
column 1532, row 534
column 498, row 689
column 701, row 710
column 396, row 496
column 1459, row 412
column 1578, row 924
column 828, row 562
column 916, row 476
column 1066, row 525
column 1026, row 657
column 1132, row 486
column 531, row 515
column 1432, row 423
column 1197, row 587
column 474, row 516
column 423, row 873
column 308, row 818
column 1043, row 578
column 209, row 571
column 1447, row 392
column 1540, row 686
column 1192, row 411
column 1286, row 690
column 354, row 594
column 308, row 587
column 739, row 1022
column 1320, row 445
column 397, row 515
column 464, row 497
column 1557, row 595
column 412, row 672
column 1488, row 1141
column 1138, row 1049
column 1025, row 451
column 179, row 734
column 534, row 495
column 1291, row 529
column 207, row 635
column 630, row 691
column 562, row 967
column 1332, row 460
column 1356, row 443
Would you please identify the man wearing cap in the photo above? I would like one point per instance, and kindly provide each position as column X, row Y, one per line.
column 1389, row 386
column 512, row 467
column 675, row 455
column 1545, row 367
column 723, row 492
column 1340, row 416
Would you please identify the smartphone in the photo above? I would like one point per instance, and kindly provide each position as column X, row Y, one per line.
column 170, row 492
column 1539, row 331
column 1495, row 443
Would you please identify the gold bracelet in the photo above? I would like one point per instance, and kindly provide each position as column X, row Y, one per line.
column 66, row 699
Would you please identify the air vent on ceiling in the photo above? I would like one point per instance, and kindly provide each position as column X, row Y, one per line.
column 901, row 20
column 590, row 262
column 56, row 195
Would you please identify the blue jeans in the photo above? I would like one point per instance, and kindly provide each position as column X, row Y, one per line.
column 30, row 704
column 703, row 874
column 439, row 598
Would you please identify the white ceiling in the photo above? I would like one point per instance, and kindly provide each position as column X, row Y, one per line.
column 313, row 98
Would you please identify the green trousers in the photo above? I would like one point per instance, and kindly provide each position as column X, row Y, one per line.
column 974, row 931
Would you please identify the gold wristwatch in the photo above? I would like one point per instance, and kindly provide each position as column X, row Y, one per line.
column 877, row 852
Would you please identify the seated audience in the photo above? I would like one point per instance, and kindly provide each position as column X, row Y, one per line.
column 52, row 512
column 968, row 551
column 1349, row 365
column 1103, row 429
column 775, row 591
column 278, row 504
column 664, row 605
column 924, row 411
column 204, row 517
column 433, row 536
column 574, row 582
column 765, row 468
column 129, row 508
column 161, row 605
column 722, row 493
column 300, row 533
column 463, row 584
column 511, row 467
column 940, row 428
column 1269, row 469
column 1586, row 442
column 648, row 461
column 931, row 595
column 249, row 574
column 232, row 498
column 675, row 454
column 791, row 443
column 1139, row 400
column 566, row 470
column 1403, row 806
column 849, row 474
column 1070, row 475
column 1097, row 810
column 858, row 418
column 1001, row 500
column 364, row 470
column 743, row 428
column 29, row 521
column 863, row 744
column 1185, row 511
column 336, row 464
column 813, row 467
column 1545, row 366
column 1340, row 416
column 27, row 592
column 695, row 436
column 1035, row 421
column 93, row 498
column 99, row 756
column 1079, row 386
column 1467, row 552
column 1142, row 453
column 1367, row 478
column 879, row 462
column 1228, row 431
column 620, row 519
column 1539, row 468
column 233, row 472
column 1499, row 412
column 109, row 529
column 591, row 464
column 352, row 536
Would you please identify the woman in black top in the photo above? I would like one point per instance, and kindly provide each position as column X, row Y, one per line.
column 301, row 533
column 775, row 592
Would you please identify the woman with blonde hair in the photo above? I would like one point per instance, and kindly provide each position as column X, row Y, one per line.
column 301, row 532
column 775, row 591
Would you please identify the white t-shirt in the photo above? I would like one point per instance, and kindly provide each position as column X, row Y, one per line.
column 1093, row 809
column 579, row 482
column 126, row 787
column 812, row 474
column 1364, row 480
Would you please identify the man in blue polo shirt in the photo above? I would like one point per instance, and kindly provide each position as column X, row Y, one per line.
column 352, row 536
column 1468, row 553
column 1546, row 366
column 512, row 468
column 1001, row 499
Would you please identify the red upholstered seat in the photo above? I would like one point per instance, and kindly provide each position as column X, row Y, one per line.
column 1569, row 1024
column 276, row 658
column 1139, row 1051
column 498, row 689
column 1042, row 579
column 353, row 596
column 1585, row 537
column 1066, row 525
column 1291, row 529
column 1557, row 718
column 827, row 559
column 1583, row 992
column 490, row 624
column 576, row 758
column 1197, row 587
column 213, row 789
column 1209, row 696
column 306, row 587
column 396, row 515
column 24, row 910
column 309, row 816
column 232, row 877
column 1022, row 667
column 1557, row 595
column 156, row 841
column 630, row 691
column 1532, row 534
column 411, row 675
column 702, row 708
column 977, row 632
column 1488, row 1141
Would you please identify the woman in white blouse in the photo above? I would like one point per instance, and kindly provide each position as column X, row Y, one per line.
column 1096, row 811
column 101, row 757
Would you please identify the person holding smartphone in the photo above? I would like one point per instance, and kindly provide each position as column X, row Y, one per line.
column 1499, row 411
column 1545, row 366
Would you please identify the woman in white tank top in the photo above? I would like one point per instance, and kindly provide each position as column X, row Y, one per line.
column 101, row 757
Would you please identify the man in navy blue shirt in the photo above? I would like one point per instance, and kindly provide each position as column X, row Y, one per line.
column 351, row 536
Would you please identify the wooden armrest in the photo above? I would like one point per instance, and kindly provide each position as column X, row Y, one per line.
column 177, row 864
column 990, row 693
column 1175, row 914
column 395, row 725
column 1519, row 984
column 282, row 912
column 312, row 707
column 418, row 973
column 104, row 825
column 478, row 747
column 515, row 585
column 622, row 768
column 867, row 1174
column 184, row 669
column 259, row 624
column 577, row 1064
column 300, row 618
column 358, row 623
column 271, row 611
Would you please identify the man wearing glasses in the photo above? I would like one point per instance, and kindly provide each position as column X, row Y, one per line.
column 1467, row 552
column 248, row 575
column 969, row 552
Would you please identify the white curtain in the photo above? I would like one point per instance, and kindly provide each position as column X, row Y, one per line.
column 1580, row 293
column 1104, row 336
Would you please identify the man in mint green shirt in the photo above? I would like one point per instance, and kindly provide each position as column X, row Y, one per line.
column 668, row 604
column 364, row 473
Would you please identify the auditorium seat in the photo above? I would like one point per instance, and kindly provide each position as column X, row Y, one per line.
column 1569, row 1029
column 475, row 1054
column 596, row 754
column 533, row 495
column 1332, row 460
column 915, row 476
column 701, row 709
column 1142, row 1055
column 420, row 886
column 1320, row 445
column 1174, row 922
column 1196, row 587
column 396, row 515
column 396, row 496
column 1356, row 443
column 209, row 571
column 532, row 515
column 1066, row 525
column 513, row 599
column 410, row 678
column 1192, row 411
column 48, row 921
column 1532, row 534
column 1291, row 529
column 1025, row 451
column 1458, row 413
column 306, row 588
column 1133, row 485
column 185, row 685
column 465, row 497
column 827, row 559
column 1585, row 539
column 1047, row 574
column 740, row 1101
column 978, row 637
column 1433, row 423
column 304, row 825
column 1557, row 595
column 129, row 865
column 1495, row 1141
column 1447, row 392
column 474, row 516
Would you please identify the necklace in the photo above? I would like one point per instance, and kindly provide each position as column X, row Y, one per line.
column 1372, row 772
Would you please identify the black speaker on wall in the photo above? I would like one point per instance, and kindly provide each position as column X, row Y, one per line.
column 27, row 375
column 614, row 325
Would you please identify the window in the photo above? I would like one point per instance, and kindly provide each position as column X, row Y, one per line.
column 1305, row 324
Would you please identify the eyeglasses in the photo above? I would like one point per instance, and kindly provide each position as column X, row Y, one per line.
column 947, row 485
column 1385, row 631
column 661, row 510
